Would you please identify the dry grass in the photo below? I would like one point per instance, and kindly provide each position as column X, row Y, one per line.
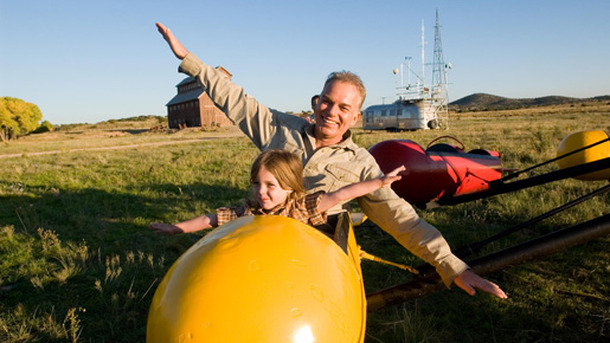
column 79, row 264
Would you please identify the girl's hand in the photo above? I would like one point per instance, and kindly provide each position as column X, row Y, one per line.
column 392, row 176
column 167, row 229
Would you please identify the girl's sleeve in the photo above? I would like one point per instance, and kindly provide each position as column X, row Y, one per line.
column 227, row 214
column 312, row 204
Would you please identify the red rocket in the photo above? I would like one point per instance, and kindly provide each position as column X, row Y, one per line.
column 441, row 170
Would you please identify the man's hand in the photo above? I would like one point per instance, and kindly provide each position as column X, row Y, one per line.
column 177, row 47
column 469, row 281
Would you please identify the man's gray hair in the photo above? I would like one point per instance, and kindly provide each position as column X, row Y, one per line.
column 348, row 77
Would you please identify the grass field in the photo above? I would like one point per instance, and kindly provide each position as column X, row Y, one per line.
column 78, row 263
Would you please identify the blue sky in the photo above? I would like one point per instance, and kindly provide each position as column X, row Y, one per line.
column 88, row 61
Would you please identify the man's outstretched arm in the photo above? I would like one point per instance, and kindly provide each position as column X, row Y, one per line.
column 177, row 48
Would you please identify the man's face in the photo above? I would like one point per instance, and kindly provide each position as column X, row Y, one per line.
column 337, row 110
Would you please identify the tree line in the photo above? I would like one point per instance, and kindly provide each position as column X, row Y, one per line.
column 18, row 118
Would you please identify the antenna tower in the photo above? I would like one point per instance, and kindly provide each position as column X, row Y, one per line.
column 439, row 77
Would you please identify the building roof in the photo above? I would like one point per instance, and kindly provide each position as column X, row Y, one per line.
column 191, row 79
column 186, row 80
column 186, row 96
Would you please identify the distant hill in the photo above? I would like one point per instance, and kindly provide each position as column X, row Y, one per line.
column 486, row 102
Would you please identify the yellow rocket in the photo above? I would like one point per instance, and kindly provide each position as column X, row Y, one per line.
column 263, row 279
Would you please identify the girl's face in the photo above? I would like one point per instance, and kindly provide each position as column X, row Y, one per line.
column 267, row 190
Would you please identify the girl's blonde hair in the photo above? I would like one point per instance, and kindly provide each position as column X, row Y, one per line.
column 285, row 166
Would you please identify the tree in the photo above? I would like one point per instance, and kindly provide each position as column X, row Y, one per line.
column 17, row 117
column 7, row 123
column 45, row 126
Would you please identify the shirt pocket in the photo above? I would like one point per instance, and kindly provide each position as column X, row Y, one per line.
column 343, row 174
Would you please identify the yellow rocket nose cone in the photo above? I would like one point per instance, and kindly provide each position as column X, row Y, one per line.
column 260, row 279
column 582, row 139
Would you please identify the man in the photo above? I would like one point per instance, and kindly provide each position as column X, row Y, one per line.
column 331, row 159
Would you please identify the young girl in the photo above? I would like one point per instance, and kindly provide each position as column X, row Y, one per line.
column 277, row 188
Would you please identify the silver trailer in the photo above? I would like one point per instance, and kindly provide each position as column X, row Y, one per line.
column 401, row 115
column 418, row 107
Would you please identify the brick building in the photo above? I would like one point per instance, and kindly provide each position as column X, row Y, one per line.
column 192, row 107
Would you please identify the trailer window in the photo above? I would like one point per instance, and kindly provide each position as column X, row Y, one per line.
column 384, row 113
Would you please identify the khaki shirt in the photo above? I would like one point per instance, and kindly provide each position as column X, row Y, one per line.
column 328, row 168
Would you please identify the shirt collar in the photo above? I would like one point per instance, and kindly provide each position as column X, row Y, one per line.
column 346, row 143
column 255, row 208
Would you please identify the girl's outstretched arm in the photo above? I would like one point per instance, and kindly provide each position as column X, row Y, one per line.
column 358, row 189
column 196, row 224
